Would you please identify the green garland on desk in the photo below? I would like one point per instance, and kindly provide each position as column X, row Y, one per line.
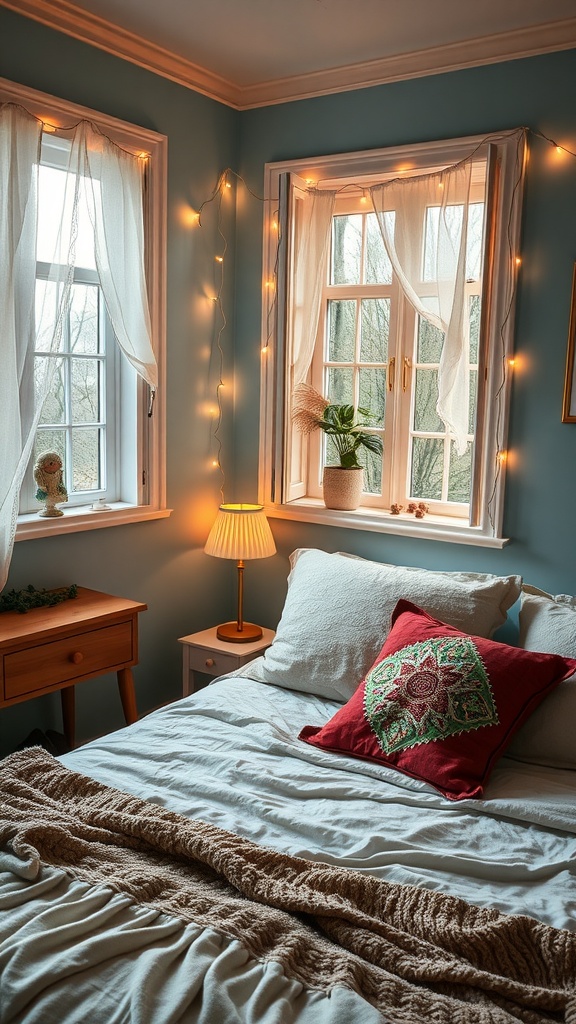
column 23, row 600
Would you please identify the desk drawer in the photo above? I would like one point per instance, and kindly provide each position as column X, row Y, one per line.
column 91, row 653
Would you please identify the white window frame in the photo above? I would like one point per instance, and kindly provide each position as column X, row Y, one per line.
column 143, row 468
column 507, row 165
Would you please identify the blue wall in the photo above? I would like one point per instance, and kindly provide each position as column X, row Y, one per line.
column 163, row 563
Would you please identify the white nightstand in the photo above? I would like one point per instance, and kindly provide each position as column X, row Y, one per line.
column 204, row 652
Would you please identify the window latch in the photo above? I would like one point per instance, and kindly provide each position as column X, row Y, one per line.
column 405, row 372
column 391, row 368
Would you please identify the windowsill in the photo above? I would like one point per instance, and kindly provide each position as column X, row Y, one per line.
column 442, row 528
column 75, row 520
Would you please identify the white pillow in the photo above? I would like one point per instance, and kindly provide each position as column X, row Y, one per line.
column 548, row 737
column 338, row 609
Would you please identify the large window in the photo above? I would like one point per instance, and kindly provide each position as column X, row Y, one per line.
column 376, row 336
column 99, row 414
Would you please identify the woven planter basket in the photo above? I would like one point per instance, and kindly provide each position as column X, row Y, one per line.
column 342, row 487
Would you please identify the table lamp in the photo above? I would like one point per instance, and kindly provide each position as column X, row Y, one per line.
column 240, row 531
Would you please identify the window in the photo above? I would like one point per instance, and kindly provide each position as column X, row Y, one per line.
column 99, row 414
column 377, row 337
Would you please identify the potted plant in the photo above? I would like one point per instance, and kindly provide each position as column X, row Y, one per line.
column 342, row 484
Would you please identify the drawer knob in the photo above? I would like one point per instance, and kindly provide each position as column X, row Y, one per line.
column 210, row 662
column 77, row 657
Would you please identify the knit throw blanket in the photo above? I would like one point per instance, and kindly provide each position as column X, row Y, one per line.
column 415, row 955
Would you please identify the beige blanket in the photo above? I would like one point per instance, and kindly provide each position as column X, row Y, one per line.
column 415, row 955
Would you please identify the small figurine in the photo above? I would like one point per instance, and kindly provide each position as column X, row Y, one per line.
column 412, row 506
column 396, row 509
column 51, row 490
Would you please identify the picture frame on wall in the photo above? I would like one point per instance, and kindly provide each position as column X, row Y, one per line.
column 569, row 402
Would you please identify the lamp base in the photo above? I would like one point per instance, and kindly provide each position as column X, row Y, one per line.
column 229, row 632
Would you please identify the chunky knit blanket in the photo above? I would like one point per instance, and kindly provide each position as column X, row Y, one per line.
column 415, row 955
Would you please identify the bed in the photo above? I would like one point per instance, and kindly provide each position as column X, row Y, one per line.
column 244, row 854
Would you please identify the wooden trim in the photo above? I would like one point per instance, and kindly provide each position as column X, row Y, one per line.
column 64, row 16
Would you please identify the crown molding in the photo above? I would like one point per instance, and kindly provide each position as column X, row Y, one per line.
column 89, row 28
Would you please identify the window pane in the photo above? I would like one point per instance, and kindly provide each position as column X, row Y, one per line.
column 86, row 460
column 84, row 319
column 346, row 249
column 372, row 471
column 430, row 341
column 425, row 399
column 374, row 330
column 427, row 467
column 46, row 312
column 473, row 398
column 474, row 314
column 378, row 266
column 341, row 330
column 340, row 386
column 451, row 225
column 460, row 475
column 50, row 441
column 372, row 387
column 85, row 390
column 55, row 197
column 474, row 247
column 54, row 408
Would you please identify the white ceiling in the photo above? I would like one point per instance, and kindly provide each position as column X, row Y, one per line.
column 269, row 50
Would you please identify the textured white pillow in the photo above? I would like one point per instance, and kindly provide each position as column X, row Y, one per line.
column 338, row 609
column 548, row 737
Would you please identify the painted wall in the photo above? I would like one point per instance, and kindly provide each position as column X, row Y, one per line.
column 541, row 490
column 163, row 563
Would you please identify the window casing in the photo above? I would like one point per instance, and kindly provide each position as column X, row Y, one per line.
column 386, row 350
column 126, row 477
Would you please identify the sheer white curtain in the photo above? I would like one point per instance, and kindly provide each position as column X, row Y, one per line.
column 109, row 183
column 313, row 246
column 434, row 251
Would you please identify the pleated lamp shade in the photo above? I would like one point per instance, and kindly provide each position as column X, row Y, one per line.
column 240, row 532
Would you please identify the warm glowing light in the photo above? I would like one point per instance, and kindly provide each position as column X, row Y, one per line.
column 215, row 463
column 50, row 128
column 264, row 349
column 501, row 456
column 143, row 156
column 219, row 259
column 228, row 185
column 440, row 184
column 512, row 362
column 559, row 149
column 518, row 261
column 309, row 181
column 363, row 198
column 187, row 216
column 274, row 225
column 269, row 284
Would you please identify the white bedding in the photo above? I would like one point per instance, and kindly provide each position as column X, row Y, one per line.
column 230, row 755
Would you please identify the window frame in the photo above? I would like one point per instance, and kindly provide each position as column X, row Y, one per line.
column 143, row 497
column 506, row 171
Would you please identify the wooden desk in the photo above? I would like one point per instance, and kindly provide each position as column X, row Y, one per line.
column 54, row 648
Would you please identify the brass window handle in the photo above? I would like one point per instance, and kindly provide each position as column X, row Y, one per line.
column 391, row 368
column 405, row 372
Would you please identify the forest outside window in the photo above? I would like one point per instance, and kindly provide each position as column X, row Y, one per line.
column 412, row 321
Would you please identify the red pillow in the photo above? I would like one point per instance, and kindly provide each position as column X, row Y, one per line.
column 440, row 705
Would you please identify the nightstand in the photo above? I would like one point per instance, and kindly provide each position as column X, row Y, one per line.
column 54, row 648
column 204, row 652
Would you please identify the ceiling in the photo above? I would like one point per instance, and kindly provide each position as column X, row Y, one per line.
column 250, row 52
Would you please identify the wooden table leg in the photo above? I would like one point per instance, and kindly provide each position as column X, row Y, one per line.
column 127, row 695
column 68, row 698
